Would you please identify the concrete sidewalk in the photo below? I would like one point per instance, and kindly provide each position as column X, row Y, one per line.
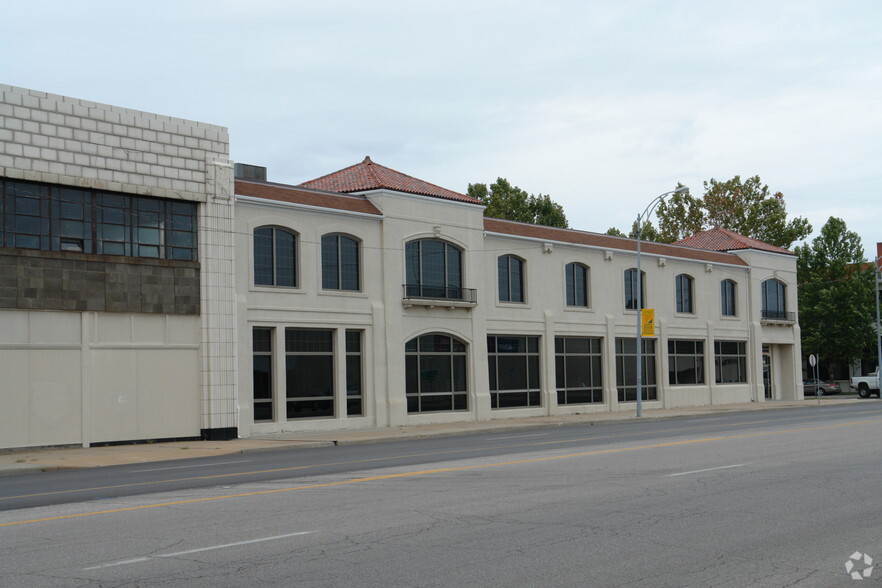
column 38, row 460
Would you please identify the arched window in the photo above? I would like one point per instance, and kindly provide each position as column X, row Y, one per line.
column 577, row 284
column 275, row 257
column 435, row 373
column 727, row 297
column 510, row 272
column 631, row 289
column 433, row 269
column 683, row 287
column 774, row 299
column 340, row 265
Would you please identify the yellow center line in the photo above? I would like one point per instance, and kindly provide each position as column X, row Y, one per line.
column 412, row 455
column 441, row 471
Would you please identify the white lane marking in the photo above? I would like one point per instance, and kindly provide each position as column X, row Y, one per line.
column 519, row 436
column 737, row 465
column 189, row 551
column 205, row 465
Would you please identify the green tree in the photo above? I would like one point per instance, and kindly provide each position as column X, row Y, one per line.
column 747, row 207
column 502, row 200
column 836, row 298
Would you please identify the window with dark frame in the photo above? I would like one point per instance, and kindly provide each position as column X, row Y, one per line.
column 626, row 369
column 433, row 269
column 774, row 299
column 577, row 284
column 631, row 291
column 514, row 371
column 685, row 362
column 354, row 390
column 62, row 218
column 683, row 286
column 730, row 362
column 262, row 368
column 727, row 297
column 510, row 275
column 275, row 257
column 340, row 263
column 309, row 373
column 578, row 370
column 435, row 374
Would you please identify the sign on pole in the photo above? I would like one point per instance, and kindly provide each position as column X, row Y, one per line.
column 647, row 322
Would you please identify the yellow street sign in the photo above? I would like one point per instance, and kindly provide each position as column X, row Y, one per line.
column 647, row 322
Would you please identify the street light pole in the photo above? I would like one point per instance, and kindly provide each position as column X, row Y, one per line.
column 641, row 224
column 878, row 324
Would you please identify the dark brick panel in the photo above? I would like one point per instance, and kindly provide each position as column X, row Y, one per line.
column 49, row 280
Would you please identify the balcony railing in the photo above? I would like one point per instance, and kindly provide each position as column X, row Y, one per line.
column 417, row 294
column 778, row 316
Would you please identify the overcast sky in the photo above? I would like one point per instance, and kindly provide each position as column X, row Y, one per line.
column 601, row 104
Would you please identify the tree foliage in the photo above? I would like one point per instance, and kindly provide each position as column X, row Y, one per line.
column 836, row 297
column 747, row 207
column 509, row 202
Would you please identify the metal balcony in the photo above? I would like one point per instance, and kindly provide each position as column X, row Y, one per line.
column 778, row 316
column 446, row 296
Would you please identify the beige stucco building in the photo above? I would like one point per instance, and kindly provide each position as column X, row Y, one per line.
column 397, row 302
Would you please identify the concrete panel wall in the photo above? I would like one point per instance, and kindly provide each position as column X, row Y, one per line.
column 82, row 378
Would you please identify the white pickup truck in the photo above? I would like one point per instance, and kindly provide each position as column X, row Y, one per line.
column 867, row 385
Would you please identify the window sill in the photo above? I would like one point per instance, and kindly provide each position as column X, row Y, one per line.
column 578, row 309
column 276, row 289
column 343, row 293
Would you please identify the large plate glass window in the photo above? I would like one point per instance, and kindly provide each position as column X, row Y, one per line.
column 578, row 370
column 730, row 361
column 435, row 371
column 309, row 373
column 685, row 362
column 626, row 369
column 514, row 371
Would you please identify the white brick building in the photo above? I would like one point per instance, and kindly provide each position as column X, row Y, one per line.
column 116, row 298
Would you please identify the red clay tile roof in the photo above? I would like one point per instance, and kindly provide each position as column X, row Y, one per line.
column 717, row 239
column 297, row 195
column 495, row 225
column 368, row 175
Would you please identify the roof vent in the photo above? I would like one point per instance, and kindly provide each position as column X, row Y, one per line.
column 243, row 171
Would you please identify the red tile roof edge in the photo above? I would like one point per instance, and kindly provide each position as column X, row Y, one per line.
column 719, row 239
column 607, row 241
column 368, row 175
column 306, row 196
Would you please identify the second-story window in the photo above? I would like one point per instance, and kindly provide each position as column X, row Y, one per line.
column 727, row 297
column 433, row 269
column 577, row 284
column 510, row 272
column 774, row 299
column 631, row 289
column 275, row 257
column 340, row 270
column 683, row 286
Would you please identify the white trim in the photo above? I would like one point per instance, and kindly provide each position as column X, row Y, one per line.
column 604, row 248
column 267, row 203
column 409, row 196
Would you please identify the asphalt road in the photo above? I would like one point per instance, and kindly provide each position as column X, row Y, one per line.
column 775, row 498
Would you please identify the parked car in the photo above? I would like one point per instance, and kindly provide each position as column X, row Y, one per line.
column 867, row 385
column 824, row 388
